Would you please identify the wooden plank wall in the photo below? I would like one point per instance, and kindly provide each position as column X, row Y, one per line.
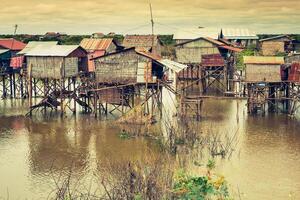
column 263, row 73
column 50, row 67
column 119, row 68
column 192, row 52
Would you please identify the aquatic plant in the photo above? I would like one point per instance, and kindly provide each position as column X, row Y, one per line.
column 203, row 187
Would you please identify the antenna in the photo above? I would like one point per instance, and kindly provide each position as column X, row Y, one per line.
column 152, row 25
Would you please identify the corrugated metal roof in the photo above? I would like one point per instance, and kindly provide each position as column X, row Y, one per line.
column 211, row 60
column 3, row 51
column 10, row 43
column 275, row 37
column 175, row 66
column 230, row 33
column 149, row 55
column 140, row 41
column 34, row 44
column 95, row 54
column 57, row 50
column 263, row 60
column 90, row 44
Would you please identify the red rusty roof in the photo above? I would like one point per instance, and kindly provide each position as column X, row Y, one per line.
column 12, row 44
column 212, row 60
column 149, row 55
column 231, row 48
column 91, row 44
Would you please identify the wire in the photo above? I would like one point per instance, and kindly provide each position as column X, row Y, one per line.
column 176, row 28
column 135, row 28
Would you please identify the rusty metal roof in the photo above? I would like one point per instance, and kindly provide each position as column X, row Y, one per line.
column 263, row 60
column 149, row 55
column 144, row 41
column 91, row 44
column 211, row 60
column 12, row 44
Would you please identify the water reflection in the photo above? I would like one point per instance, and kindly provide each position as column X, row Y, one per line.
column 265, row 164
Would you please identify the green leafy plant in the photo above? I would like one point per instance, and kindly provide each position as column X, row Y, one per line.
column 200, row 187
column 240, row 57
column 124, row 135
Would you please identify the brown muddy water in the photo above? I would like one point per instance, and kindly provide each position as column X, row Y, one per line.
column 35, row 151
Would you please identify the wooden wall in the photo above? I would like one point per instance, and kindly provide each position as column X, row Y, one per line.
column 263, row 73
column 192, row 52
column 271, row 48
column 50, row 67
column 119, row 68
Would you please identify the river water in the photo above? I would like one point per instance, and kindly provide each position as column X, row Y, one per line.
column 34, row 151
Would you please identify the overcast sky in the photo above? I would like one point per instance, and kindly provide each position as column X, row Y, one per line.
column 132, row 16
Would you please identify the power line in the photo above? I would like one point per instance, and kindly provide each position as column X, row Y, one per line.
column 135, row 28
column 176, row 28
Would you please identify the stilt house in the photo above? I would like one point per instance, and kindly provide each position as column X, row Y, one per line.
column 57, row 61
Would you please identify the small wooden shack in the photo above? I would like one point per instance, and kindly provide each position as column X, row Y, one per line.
column 150, row 43
column 57, row 61
column 274, row 45
column 19, row 60
column 98, row 47
column 190, row 52
column 128, row 66
column 263, row 69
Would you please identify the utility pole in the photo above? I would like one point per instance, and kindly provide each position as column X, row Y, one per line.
column 152, row 25
column 15, row 32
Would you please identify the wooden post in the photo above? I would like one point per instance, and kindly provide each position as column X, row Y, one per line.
column 62, row 88
column 30, row 87
column 4, row 87
column 11, row 85
column 74, row 96
column 122, row 99
column 95, row 104
column 14, row 85
column 21, row 86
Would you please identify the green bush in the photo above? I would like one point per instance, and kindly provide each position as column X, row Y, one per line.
column 204, row 187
